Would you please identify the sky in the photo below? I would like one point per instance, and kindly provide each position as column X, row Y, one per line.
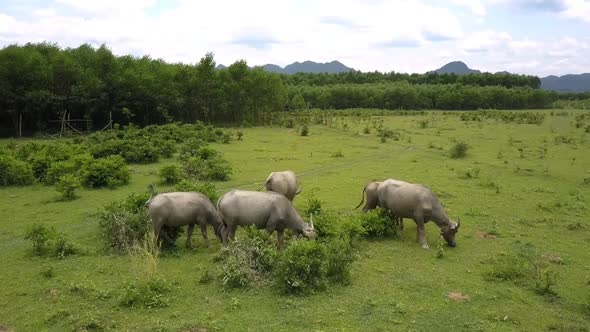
column 538, row 37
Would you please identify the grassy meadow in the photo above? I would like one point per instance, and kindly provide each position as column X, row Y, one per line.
column 522, row 193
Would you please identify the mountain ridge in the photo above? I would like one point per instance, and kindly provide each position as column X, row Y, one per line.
column 564, row 83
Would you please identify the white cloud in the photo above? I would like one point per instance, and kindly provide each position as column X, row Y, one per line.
column 577, row 9
column 475, row 6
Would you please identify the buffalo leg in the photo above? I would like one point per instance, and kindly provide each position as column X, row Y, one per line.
column 420, row 232
column 189, row 233
column 204, row 232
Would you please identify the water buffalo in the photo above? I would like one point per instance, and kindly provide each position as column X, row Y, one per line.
column 268, row 210
column 284, row 183
column 419, row 203
column 185, row 208
column 373, row 200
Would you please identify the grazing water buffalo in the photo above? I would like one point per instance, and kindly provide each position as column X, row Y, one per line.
column 268, row 210
column 419, row 203
column 373, row 200
column 284, row 183
column 185, row 208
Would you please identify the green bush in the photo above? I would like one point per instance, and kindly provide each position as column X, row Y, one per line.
column 151, row 293
column 459, row 150
column 63, row 247
column 190, row 148
column 302, row 267
column 216, row 169
column 240, row 134
column 44, row 238
column 110, row 171
column 122, row 223
column 170, row 174
column 39, row 235
column 304, row 131
column 70, row 166
column 14, row 172
column 378, row 222
column 67, row 186
column 247, row 261
column 340, row 258
column 313, row 206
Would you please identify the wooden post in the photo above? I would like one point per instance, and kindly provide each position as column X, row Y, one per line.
column 111, row 119
column 63, row 124
column 20, row 124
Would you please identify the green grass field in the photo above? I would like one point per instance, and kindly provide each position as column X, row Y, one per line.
column 520, row 191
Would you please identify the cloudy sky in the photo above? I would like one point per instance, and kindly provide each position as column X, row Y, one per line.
column 538, row 37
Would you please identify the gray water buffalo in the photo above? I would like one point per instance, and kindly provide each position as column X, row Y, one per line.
column 284, row 183
column 185, row 208
column 419, row 203
column 269, row 210
column 370, row 191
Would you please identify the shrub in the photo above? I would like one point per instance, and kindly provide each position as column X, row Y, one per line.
column 249, row 260
column 122, row 223
column 326, row 224
column 39, row 234
column 378, row 222
column 586, row 180
column 240, row 134
column 385, row 133
column 110, row 171
column 459, row 150
column 216, row 168
column 71, row 166
column 14, row 172
column 67, row 186
column 314, row 206
column 340, row 258
column 367, row 130
column 289, row 123
column 302, row 267
column 170, row 174
column 63, row 247
column 304, row 131
column 44, row 238
column 151, row 293
column 191, row 148
column 423, row 124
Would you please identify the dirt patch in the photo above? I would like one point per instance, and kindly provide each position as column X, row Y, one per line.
column 53, row 292
column 553, row 258
column 458, row 296
column 194, row 329
column 4, row 328
column 485, row 235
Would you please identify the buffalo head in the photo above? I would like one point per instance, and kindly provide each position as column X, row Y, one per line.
column 449, row 233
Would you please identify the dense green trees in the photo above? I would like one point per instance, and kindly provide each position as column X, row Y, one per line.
column 40, row 82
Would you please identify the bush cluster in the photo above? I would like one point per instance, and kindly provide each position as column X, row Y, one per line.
column 48, row 241
column 378, row 223
column 14, row 172
column 459, row 150
column 206, row 163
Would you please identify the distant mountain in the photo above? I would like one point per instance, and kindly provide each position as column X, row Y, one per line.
column 456, row 67
column 305, row 67
column 314, row 67
column 567, row 83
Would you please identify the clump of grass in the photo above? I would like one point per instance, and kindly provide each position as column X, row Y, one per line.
column 39, row 235
column 240, row 134
column 337, row 154
column 423, row 124
column 459, row 150
column 366, row 130
column 151, row 293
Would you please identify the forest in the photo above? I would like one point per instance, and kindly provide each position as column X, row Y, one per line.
column 40, row 83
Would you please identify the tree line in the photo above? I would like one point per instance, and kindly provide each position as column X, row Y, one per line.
column 356, row 77
column 40, row 82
